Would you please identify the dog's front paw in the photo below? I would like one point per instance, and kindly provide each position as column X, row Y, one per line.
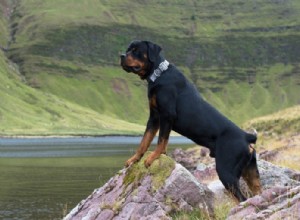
column 151, row 158
column 132, row 160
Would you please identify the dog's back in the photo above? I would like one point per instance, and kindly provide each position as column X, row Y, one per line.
column 195, row 118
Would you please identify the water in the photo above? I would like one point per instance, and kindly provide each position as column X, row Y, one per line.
column 45, row 178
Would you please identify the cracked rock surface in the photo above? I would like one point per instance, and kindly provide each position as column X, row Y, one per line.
column 140, row 193
column 280, row 198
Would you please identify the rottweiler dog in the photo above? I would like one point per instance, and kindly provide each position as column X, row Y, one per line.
column 175, row 104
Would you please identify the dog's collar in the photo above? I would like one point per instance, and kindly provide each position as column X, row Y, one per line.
column 163, row 66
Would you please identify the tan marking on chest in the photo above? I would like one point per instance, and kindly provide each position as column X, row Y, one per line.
column 152, row 102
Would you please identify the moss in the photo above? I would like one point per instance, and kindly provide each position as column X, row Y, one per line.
column 117, row 206
column 159, row 171
column 105, row 206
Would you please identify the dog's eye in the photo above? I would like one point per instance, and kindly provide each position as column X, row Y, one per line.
column 134, row 50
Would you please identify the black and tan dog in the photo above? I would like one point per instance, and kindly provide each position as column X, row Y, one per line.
column 175, row 104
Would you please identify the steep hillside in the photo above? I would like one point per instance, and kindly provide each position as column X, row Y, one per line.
column 27, row 111
column 242, row 55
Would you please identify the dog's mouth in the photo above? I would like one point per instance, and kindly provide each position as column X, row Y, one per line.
column 138, row 68
column 134, row 68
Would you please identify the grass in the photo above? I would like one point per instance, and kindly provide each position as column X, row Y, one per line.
column 27, row 111
column 280, row 132
column 290, row 158
column 194, row 215
column 160, row 170
column 282, row 122
column 221, row 210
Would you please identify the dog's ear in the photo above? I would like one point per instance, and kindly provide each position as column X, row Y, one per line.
column 153, row 51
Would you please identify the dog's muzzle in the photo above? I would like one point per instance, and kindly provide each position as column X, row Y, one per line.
column 134, row 69
column 123, row 58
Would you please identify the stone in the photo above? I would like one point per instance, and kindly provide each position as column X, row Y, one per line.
column 140, row 193
column 280, row 197
column 273, row 203
column 167, row 187
column 192, row 157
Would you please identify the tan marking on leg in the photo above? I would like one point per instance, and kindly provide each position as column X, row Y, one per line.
column 160, row 149
column 252, row 179
column 251, row 148
column 144, row 145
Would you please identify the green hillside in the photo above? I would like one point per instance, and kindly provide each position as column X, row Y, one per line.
column 243, row 56
column 28, row 111
column 285, row 122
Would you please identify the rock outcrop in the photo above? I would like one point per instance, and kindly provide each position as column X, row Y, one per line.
column 140, row 193
column 167, row 187
column 192, row 157
column 275, row 203
column 280, row 198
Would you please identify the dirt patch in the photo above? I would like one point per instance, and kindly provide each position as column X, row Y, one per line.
column 121, row 87
column 6, row 10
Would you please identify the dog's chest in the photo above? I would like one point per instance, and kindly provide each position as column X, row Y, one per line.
column 152, row 102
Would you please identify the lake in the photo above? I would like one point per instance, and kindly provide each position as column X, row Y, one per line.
column 44, row 178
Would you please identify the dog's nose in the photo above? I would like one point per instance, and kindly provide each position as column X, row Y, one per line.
column 122, row 58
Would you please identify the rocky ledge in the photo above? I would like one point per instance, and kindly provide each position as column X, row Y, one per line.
column 167, row 187
column 275, row 203
column 140, row 193
column 280, row 198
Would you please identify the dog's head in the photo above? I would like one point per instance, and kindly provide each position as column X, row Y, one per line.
column 140, row 58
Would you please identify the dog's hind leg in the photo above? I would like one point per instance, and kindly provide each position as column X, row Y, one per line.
column 251, row 174
column 230, row 165
column 231, row 182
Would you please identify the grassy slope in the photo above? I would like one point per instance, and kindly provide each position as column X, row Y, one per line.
column 26, row 111
column 285, row 122
column 245, row 67
column 280, row 132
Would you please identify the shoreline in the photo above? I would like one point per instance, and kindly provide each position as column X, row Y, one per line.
column 65, row 136
column 173, row 134
column 83, row 140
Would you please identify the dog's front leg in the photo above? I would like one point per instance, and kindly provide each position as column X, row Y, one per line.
column 165, row 102
column 150, row 132
column 164, row 132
